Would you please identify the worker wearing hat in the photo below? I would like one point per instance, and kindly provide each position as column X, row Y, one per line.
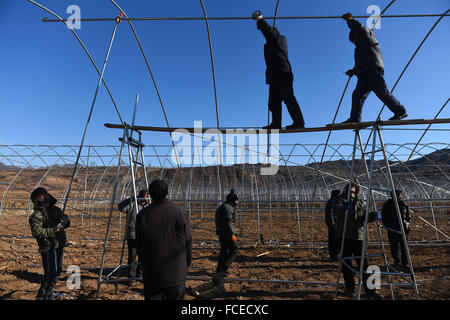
column 225, row 229
column 47, row 226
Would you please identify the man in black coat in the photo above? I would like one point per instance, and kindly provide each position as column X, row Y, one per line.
column 129, row 206
column 330, row 221
column 369, row 68
column 279, row 75
column 164, row 245
column 225, row 229
column 390, row 220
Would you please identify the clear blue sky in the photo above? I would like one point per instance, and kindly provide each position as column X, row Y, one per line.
column 48, row 83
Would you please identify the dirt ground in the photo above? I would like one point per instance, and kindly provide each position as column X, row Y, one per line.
column 21, row 270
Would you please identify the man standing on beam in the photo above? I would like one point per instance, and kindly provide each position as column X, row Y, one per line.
column 369, row 68
column 279, row 75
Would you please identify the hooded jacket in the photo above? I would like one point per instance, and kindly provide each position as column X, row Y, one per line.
column 43, row 226
column 367, row 52
column 275, row 54
column 225, row 216
column 355, row 220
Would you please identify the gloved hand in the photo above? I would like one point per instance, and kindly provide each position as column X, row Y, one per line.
column 65, row 221
column 59, row 227
column 257, row 15
column 378, row 216
column 350, row 72
column 347, row 16
column 407, row 226
column 233, row 238
column 347, row 205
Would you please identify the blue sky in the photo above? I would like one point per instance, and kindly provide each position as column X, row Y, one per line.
column 48, row 83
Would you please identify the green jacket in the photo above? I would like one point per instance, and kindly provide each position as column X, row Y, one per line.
column 355, row 220
column 43, row 228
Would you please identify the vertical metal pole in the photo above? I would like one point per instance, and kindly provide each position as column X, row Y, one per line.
column 108, row 228
column 90, row 114
column 85, row 185
column 366, row 219
column 346, row 214
column 375, row 208
column 134, row 198
column 143, row 161
column 397, row 209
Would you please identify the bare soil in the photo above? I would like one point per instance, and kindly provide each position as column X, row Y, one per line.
column 287, row 257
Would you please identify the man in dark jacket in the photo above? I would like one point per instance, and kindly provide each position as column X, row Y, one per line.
column 164, row 245
column 330, row 220
column 354, row 235
column 47, row 226
column 129, row 206
column 279, row 75
column 225, row 229
column 369, row 68
column 390, row 220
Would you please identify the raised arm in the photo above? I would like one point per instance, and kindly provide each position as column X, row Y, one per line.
column 357, row 27
column 271, row 34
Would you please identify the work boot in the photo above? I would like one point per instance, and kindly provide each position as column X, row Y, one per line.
column 42, row 292
column 399, row 116
column 50, row 295
column 374, row 294
column 296, row 126
column 272, row 126
column 349, row 292
column 350, row 120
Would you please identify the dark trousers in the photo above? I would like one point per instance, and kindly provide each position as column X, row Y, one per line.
column 284, row 92
column 166, row 293
column 52, row 264
column 228, row 251
column 396, row 241
column 353, row 248
column 135, row 269
column 333, row 246
column 373, row 80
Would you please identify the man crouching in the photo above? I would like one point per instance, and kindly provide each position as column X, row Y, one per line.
column 47, row 226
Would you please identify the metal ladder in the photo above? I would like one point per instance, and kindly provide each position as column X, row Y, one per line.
column 390, row 271
column 135, row 159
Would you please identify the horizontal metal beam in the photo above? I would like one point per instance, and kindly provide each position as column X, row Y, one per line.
column 244, row 18
column 244, row 130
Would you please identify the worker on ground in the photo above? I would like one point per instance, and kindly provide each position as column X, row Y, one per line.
column 164, row 245
column 129, row 206
column 226, row 230
column 353, row 237
column 47, row 226
column 390, row 220
column 330, row 221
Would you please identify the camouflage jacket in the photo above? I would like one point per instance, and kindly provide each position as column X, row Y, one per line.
column 356, row 216
column 43, row 228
